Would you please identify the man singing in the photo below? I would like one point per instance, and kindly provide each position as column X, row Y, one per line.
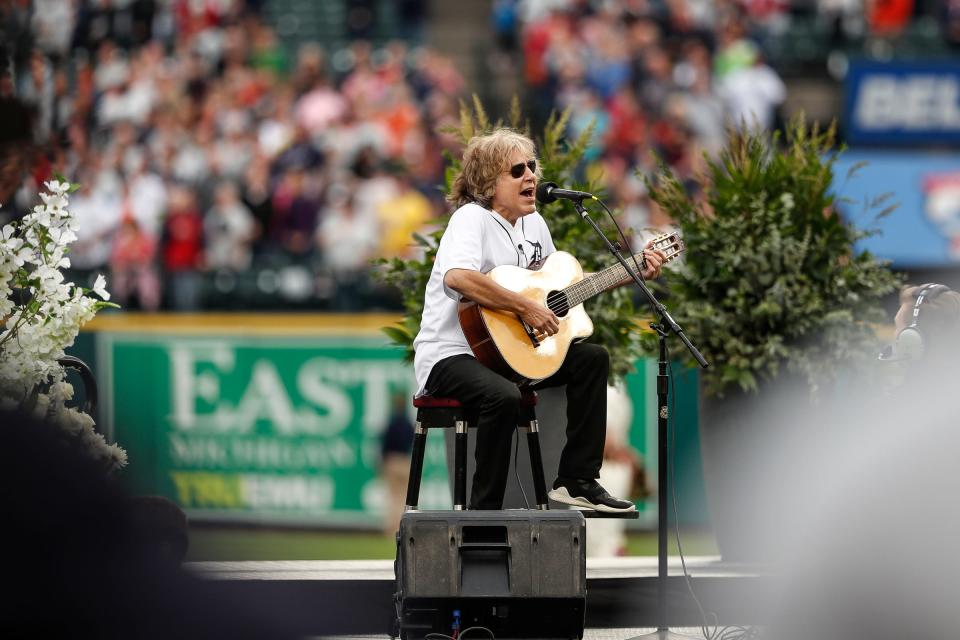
column 497, row 224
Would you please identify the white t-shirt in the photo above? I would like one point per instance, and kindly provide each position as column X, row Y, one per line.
column 477, row 239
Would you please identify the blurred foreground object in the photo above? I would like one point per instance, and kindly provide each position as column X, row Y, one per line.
column 85, row 557
column 870, row 549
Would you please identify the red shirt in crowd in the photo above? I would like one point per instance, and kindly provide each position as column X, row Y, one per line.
column 183, row 242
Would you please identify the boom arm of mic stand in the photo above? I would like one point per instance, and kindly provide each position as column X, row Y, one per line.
column 666, row 320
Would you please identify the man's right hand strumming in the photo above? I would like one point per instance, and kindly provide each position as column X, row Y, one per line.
column 541, row 320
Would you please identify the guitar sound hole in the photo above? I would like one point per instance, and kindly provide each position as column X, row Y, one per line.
column 558, row 303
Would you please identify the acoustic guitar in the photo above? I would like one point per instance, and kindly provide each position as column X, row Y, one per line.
column 505, row 344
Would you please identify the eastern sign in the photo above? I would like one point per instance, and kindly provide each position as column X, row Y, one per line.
column 250, row 428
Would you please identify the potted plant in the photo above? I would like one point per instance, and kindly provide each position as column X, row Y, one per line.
column 772, row 290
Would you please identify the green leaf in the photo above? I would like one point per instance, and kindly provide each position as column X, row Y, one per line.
column 879, row 200
column 398, row 335
column 855, row 168
column 883, row 213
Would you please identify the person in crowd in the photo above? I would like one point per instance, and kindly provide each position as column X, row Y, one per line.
column 348, row 243
column 497, row 223
column 135, row 283
column 256, row 197
column 926, row 327
column 753, row 91
column 182, row 250
column 145, row 192
column 229, row 229
column 296, row 207
column 99, row 212
column 400, row 216
column 396, row 443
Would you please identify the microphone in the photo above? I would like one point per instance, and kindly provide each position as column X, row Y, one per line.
column 548, row 192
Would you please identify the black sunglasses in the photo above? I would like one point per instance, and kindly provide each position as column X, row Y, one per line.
column 518, row 170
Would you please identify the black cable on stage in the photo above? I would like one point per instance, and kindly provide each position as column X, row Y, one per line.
column 396, row 609
column 443, row 636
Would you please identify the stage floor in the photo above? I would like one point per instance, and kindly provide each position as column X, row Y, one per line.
column 694, row 633
column 597, row 568
column 353, row 598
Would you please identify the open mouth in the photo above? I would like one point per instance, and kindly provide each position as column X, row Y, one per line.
column 527, row 193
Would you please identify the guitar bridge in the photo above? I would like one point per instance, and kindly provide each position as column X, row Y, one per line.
column 530, row 334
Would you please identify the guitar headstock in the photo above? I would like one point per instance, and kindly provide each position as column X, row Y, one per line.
column 669, row 243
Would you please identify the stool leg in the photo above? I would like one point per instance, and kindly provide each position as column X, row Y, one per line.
column 460, row 466
column 536, row 463
column 416, row 466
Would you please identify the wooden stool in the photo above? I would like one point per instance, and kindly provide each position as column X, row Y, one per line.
column 444, row 413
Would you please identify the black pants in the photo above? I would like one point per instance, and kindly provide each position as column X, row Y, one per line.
column 584, row 371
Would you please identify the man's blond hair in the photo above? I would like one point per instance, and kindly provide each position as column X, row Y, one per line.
column 484, row 159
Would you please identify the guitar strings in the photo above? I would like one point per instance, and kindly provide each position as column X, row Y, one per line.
column 559, row 302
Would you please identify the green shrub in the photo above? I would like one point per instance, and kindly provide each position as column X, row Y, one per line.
column 771, row 279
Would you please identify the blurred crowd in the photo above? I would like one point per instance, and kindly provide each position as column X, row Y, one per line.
column 221, row 168
column 653, row 78
column 669, row 76
column 213, row 168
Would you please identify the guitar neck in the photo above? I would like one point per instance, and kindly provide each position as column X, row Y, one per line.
column 669, row 244
column 601, row 281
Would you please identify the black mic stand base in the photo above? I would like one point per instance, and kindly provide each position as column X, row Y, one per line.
column 665, row 634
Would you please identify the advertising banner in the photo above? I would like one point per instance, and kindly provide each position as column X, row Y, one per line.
column 286, row 430
column 923, row 231
column 902, row 103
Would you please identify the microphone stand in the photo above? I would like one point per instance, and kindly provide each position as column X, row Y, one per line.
column 664, row 326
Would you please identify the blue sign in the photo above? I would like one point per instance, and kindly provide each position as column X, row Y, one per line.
column 924, row 229
column 902, row 103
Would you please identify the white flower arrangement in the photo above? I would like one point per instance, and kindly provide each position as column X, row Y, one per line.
column 42, row 315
